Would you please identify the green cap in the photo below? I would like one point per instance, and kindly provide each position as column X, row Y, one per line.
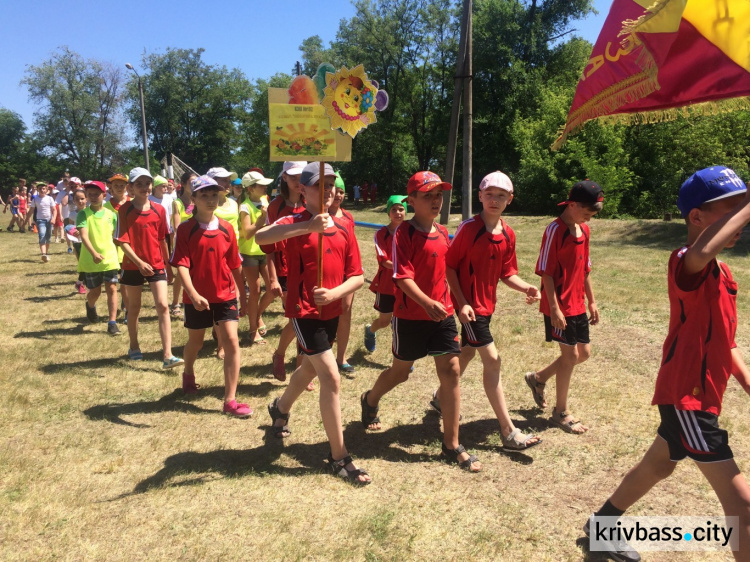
column 339, row 183
column 159, row 180
column 395, row 200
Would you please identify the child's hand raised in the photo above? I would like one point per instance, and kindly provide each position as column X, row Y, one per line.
column 321, row 222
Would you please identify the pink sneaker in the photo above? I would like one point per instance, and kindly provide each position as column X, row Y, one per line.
column 279, row 369
column 237, row 410
column 188, row 384
column 81, row 289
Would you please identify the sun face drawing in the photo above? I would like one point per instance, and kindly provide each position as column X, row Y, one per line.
column 297, row 140
column 349, row 100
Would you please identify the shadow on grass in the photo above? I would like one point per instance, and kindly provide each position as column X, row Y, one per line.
column 588, row 555
column 27, row 260
column 46, row 298
column 52, row 333
column 52, row 273
column 175, row 401
column 151, row 363
column 362, row 358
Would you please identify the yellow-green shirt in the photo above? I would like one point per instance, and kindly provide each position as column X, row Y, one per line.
column 101, row 226
column 250, row 247
column 184, row 216
column 230, row 212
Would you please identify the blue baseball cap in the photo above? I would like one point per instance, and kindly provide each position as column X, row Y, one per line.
column 202, row 182
column 707, row 185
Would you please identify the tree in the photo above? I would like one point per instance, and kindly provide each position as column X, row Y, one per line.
column 20, row 154
column 192, row 109
column 78, row 121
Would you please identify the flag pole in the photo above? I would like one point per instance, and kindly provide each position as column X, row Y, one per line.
column 321, row 200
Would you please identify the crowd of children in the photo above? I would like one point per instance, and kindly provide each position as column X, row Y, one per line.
column 226, row 242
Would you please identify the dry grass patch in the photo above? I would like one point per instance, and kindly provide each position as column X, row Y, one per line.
column 105, row 459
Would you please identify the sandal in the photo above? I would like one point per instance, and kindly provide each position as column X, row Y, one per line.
column 338, row 468
column 517, row 441
column 279, row 431
column 537, row 388
column 262, row 330
column 573, row 425
column 435, row 405
column 369, row 413
column 451, row 457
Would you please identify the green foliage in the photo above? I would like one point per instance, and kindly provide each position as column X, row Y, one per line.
column 192, row 109
column 78, row 120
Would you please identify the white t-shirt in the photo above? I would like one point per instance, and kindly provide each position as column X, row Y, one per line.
column 64, row 209
column 44, row 206
column 356, row 191
column 166, row 202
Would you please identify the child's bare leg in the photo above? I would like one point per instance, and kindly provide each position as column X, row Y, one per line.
column 176, row 290
column 228, row 335
column 161, row 301
column 286, row 337
column 252, row 278
column 389, row 379
column 191, row 349
column 134, row 309
column 112, row 303
column 449, row 373
column 267, row 297
column 467, row 354
column 344, row 327
column 93, row 295
column 734, row 494
column 301, row 377
column 382, row 321
column 653, row 468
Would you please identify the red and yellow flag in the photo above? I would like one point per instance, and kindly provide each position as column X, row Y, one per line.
column 653, row 60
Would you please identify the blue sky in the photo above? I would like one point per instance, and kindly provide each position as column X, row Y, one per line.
column 259, row 37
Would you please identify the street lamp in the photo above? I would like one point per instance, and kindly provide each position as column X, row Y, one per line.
column 143, row 114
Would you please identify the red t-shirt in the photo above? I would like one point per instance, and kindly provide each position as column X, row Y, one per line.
column 341, row 260
column 421, row 257
column 210, row 253
column 277, row 209
column 697, row 355
column 144, row 231
column 347, row 215
column 566, row 259
column 383, row 281
column 481, row 259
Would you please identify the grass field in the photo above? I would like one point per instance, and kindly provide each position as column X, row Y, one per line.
column 104, row 459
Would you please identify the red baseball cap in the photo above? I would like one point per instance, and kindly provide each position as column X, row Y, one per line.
column 96, row 184
column 426, row 181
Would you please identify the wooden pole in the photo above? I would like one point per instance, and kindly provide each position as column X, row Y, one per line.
column 450, row 158
column 321, row 200
column 468, row 125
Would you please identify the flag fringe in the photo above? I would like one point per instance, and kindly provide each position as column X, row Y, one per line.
column 659, row 116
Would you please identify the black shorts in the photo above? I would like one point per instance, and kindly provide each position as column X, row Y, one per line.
column 384, row 303
column 315, row 336
column 282, row 282
column 693, row 433
column 477, row 333
column 576, row 330
column 414, row 339
column 217, row 312
column 133, row 277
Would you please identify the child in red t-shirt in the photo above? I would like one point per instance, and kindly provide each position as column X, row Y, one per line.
column 288, row 202
column 142, row 233
column 314, row 310
column 345, row 320
column 564, row 267
column 208, row 262
column 482, row 253
column 382, row 284
column 699, row 356
column 423, row 322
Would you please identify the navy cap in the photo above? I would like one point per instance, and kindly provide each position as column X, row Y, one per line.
column 587, row 192
column 706, row 185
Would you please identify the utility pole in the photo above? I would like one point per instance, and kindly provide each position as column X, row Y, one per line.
column 462, row 85
column 143, row 115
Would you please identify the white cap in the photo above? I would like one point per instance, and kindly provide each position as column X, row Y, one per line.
column 253, row 177
column 214, row 173
column 293, row 168
column 136, row 173
column 496, row 179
